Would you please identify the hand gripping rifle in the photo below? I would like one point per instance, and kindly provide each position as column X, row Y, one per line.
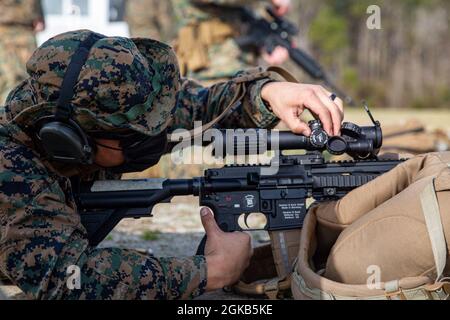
column 238, row 190
column 268, row 33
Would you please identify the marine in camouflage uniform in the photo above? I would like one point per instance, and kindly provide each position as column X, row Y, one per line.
column 149, row 18
column 17, row 40
column 124, row 85
column 207, row 52
column 206, row 46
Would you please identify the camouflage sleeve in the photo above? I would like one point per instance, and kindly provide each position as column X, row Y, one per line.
column 198, row 103
column 227, row 2
column 38, row 10
column 43, row 247
column 20, row 12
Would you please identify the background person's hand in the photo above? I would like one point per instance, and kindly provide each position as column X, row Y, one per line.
column 227, row 254
column 39, row 25
column 282, row 7
column 278, row 56
column 289, row 100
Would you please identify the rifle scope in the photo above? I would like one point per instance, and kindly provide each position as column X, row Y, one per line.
column 358, row 142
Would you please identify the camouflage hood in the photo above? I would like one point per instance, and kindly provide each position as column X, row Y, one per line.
column 125, row 84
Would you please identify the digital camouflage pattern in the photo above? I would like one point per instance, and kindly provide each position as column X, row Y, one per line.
column 192, row 11
column 123, row 85
column 40, row 231
column 17, row 40
column 224, row 57
column 206, row 50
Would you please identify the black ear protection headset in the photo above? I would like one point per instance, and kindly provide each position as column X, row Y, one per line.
column 60, row 136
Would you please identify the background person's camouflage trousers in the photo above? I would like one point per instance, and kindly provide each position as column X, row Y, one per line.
column 16, row 46
column 18, row 20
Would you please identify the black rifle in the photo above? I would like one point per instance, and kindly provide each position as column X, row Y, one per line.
column 263, row 33
column 235, row 190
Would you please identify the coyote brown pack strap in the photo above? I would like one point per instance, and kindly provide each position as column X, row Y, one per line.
column 430, row 208
column 241, row 91
column 440, row 291
column 261, row 277
column 285, row 246
column 277, row 260
column 270, row 288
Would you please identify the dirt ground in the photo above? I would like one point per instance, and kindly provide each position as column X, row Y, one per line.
column 175, row 229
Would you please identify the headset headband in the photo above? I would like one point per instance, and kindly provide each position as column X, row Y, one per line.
column 64, row 109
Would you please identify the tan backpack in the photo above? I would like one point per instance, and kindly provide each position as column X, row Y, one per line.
column 308, row 283
column 399, row 221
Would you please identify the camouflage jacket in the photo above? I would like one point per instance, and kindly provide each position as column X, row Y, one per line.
column 40, row 232
column 205, row 45
column 193, row 11
column 20, row 12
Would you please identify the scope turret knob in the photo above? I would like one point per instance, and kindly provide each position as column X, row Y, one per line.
column 319, row 137
column 315, row 124
column 351, row 129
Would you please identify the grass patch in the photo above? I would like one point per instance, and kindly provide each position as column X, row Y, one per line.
column 150, row 235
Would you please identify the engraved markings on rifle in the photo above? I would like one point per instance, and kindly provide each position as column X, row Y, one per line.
column 250, row 201
column 291, row 211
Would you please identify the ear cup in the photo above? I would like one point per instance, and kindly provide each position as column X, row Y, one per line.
column 65, row 143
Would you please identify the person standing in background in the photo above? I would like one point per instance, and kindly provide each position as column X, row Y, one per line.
column 206, row 43
column 20, row 20
column 203, row 34
column 149, row 19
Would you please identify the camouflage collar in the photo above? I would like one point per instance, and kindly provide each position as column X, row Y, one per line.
column 16, row 133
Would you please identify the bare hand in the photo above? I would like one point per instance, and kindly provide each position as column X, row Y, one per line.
column 282, row 7
column 39, row 25
column 289, row 100
column 227, row 254
column 278, row 56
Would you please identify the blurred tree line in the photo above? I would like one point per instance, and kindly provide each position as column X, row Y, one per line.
column 405, row 64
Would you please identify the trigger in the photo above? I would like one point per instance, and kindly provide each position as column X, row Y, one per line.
column 245, row 220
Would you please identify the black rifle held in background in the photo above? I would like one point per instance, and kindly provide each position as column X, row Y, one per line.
column 266, row 34
column 236, row 190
